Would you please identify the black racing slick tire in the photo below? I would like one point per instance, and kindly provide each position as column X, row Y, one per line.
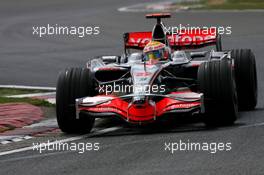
column 73, row 83
column 246, row 78
column 216, row 82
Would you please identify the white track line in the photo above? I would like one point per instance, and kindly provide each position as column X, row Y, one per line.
column 40, row 146
column 71, row 139
column 103, row 131
column 28, row 87
column 252, row 125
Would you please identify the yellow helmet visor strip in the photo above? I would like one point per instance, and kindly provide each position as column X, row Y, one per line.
column 154, row 55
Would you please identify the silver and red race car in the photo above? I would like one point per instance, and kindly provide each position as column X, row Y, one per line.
column 212, row 84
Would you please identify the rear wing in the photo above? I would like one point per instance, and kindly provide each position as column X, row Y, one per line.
column 192, row 39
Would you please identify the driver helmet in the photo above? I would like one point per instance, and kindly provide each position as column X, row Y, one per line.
column 155, row 51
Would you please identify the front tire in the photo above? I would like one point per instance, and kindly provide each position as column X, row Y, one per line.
column 73, row 83
column 246, row 78
column 216, row 82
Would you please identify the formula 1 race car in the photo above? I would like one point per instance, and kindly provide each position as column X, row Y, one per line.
column 212, row 84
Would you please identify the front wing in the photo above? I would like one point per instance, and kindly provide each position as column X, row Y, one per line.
column 174, row 103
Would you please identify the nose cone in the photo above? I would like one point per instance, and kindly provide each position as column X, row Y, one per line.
column 139, row 101
column 141, row 110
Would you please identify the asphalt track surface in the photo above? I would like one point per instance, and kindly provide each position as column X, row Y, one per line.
column 29, row 60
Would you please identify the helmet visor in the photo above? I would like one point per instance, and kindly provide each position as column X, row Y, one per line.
column 153, row 55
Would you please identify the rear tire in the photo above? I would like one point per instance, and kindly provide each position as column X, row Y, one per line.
column 73, row 83
column 216, row 82
column 246, row 78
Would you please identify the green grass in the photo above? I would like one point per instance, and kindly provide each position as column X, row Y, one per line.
column 10, row 91
column 36, row 102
